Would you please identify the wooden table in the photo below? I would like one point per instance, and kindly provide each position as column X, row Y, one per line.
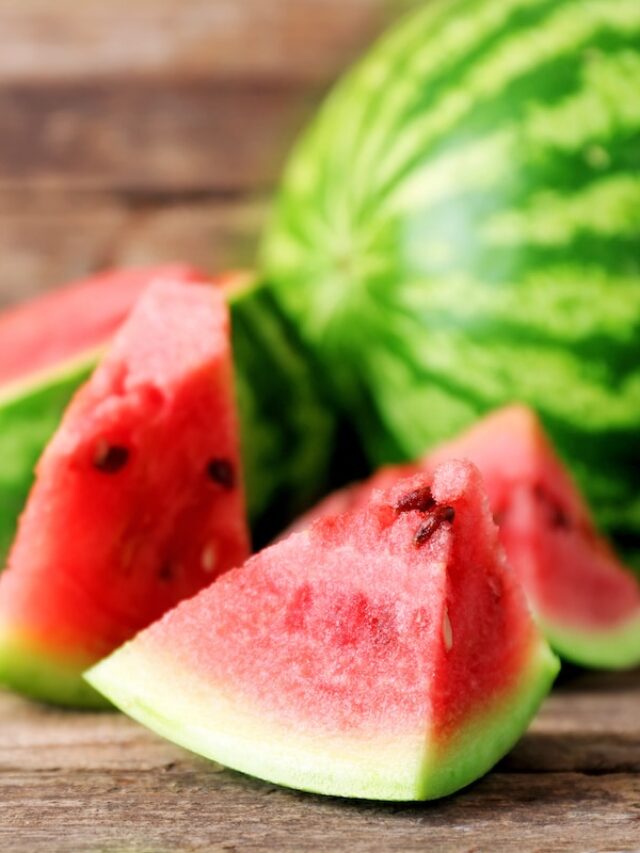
column 99, row 782
column 138, row 131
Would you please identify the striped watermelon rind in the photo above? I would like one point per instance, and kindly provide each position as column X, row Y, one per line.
column 288, row 430
column 460, row 228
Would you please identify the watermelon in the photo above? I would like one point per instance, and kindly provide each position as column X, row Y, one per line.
column 460, row 228
column 138, row 500
column 584, row 599
column 386, row 653
column 49, row 346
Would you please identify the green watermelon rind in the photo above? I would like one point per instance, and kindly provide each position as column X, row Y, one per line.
column 288, row 430
column 458, row 229
column 196, row 716
column 611, row 648
column 30, row 669
column 30, row 412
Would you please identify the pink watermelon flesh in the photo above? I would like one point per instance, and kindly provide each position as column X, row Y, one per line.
column 61, row 325
column 384, row 653
column 138, row 500
column 587, row 602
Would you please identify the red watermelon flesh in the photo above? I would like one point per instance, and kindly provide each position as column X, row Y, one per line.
column 138, row 499
column 586, row 600
column 60, row 325
column 386, row 653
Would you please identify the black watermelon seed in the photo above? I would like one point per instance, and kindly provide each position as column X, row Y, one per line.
column 436, row 518
column 221, row 472
column 110, row 458
column 166, row 572
column 558, row 517
column 418, row 499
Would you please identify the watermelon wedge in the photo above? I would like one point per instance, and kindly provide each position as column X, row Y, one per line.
column 585, row 600
column 138, row 500
column 386, row 653
column 50, row 345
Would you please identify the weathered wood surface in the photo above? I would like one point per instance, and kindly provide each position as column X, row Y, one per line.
column 99, row 782
column 130, row 129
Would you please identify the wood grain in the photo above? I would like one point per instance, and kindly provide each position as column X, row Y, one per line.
column 306, row 40
column 47, row 237
column 89, row 782
column 146, row 130
column 166, row 97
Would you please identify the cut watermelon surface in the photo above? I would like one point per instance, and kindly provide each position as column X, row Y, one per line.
column 387, row 653
column 138, row 500
column 48, row 347
column 586, row 601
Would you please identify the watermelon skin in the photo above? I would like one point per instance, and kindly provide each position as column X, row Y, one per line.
column 50, row 346
column 289, row 430
column 460, row 228
column 138, row 501
column 348, row 661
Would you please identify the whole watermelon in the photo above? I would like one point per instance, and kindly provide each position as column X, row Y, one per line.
column 461, row 228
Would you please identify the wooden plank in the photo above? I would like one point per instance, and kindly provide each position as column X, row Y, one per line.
column 200, row 808
column 49, row 238
column 167, row 97
column 160, row 136
column 97, row 781
column 306, row 39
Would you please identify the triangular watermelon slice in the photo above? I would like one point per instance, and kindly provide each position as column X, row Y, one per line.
column 386, row 653
column 138, row 500
column 48, row 347
column 586, row 601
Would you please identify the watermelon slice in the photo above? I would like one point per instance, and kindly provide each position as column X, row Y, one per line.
column 586, row 601
column 48, row 347
column 386, row 653
column 138, row 500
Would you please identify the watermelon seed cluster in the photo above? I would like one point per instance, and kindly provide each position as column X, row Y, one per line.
column 421, row 500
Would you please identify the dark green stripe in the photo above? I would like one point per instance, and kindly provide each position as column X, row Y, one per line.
column 551, row 83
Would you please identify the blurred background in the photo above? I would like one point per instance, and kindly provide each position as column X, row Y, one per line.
column 138, row 131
